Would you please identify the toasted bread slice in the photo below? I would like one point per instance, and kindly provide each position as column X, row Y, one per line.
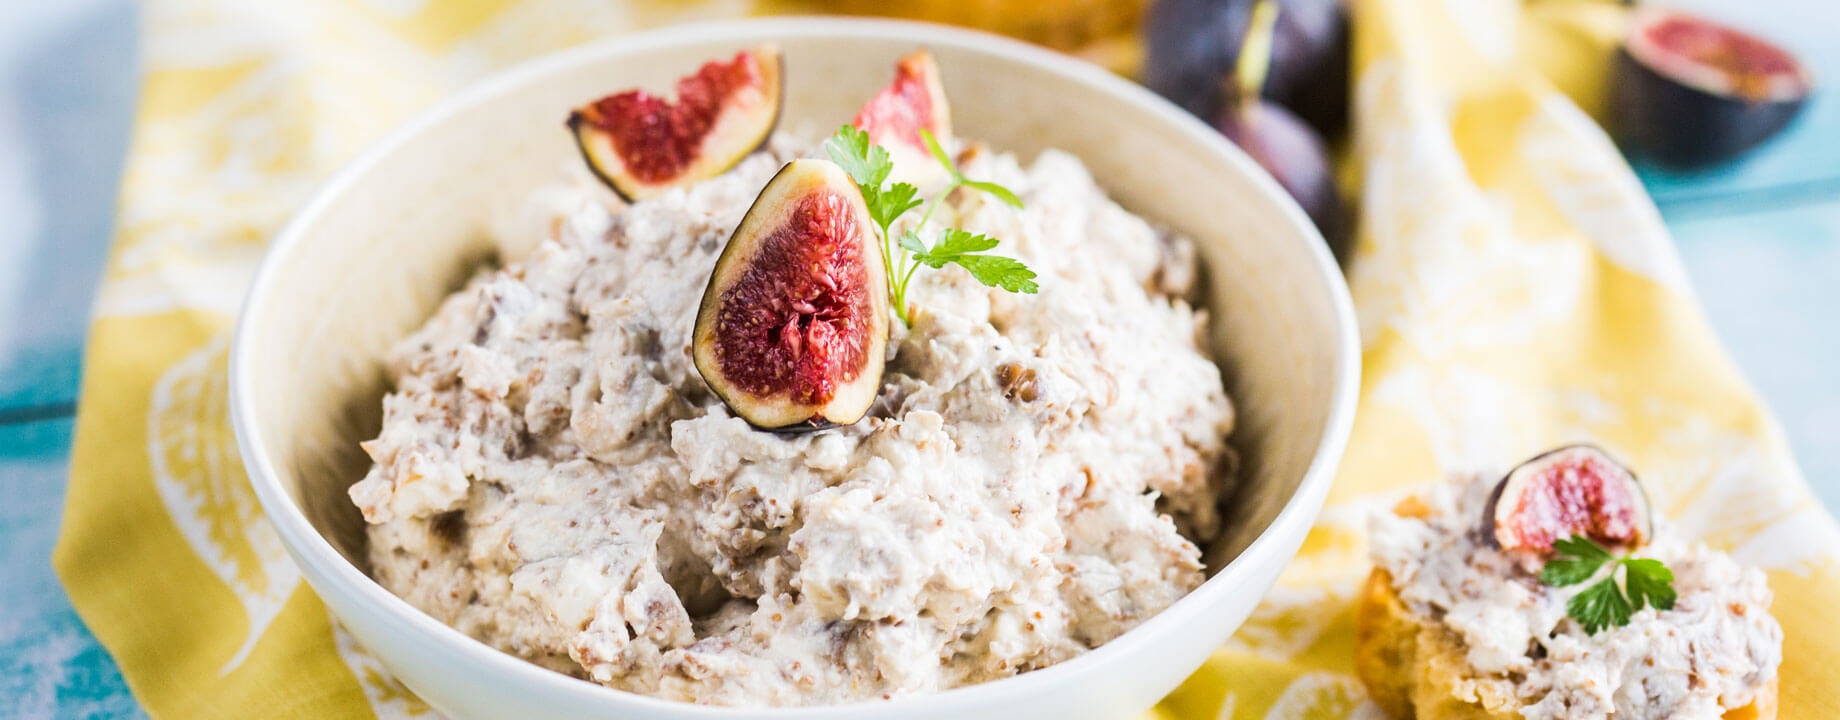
column 1414, row 669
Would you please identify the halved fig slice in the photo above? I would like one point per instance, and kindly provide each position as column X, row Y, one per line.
column 793, row 325
column 1687, row 91
column 1574, row 490
column 642, row 145
column 893, row 118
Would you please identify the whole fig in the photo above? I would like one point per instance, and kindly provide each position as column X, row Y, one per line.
column 1191, row 46
column 1294, row 155
column 1277, row 140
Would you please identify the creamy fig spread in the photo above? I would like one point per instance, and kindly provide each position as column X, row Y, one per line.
column 1712, row 652
column 554, row 478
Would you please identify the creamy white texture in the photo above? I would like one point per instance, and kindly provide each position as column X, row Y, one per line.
column 1710, row 653
column 554, row 478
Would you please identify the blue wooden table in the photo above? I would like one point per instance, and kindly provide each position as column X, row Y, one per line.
column 1761, row 239
column 66, row 92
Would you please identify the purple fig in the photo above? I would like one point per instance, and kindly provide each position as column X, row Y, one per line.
column 1276, row 139
column 1190, row 45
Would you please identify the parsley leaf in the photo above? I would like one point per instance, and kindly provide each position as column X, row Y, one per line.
column 1648, row 583
column 912, row 242
column 1001, row 193
column 939, row 153
column 954, row 242
column 962, row 248
column 1577, row 561
column 867, row 164
column 1007, row 273
column 1600, row 606
column 892, row 202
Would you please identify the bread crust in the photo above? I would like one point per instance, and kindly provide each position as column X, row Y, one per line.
column 1414, row 669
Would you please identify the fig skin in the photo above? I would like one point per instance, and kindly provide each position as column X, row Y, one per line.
column 1687, row 113
column 792, row 329
column 914, row 99
column 625, row 138
column 1277, row 140
column 1521, row 480
column 1295, row 156
column 1191, row 46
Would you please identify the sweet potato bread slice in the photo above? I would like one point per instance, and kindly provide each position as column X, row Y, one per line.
column 1417, row 669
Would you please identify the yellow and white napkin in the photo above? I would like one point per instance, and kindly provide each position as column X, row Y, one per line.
column 1515, row 288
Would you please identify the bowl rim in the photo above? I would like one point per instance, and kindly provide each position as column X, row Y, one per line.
column 310, row 548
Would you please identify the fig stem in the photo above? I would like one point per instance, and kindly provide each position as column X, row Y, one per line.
column 900, row 290
column 934, row 204
column 1254, row 62
column 907, row 273
column 900, row 295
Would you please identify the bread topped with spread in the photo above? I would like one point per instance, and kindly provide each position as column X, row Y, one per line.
column 1551, row 594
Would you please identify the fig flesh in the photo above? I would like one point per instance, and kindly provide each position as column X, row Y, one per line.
column 793, row 325
column 642, row 145
column 1574, row 490
column 1688, row 92
column 915, row 99
column 1191, row 46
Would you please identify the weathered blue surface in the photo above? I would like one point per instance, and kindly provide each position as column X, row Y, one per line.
column 50, row 666
column 1770, row 280
column 66, row 94
column 1761, row 238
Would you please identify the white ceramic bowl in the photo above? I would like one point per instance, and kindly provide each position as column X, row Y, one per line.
column 372, row 254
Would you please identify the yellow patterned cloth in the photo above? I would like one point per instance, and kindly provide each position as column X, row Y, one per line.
column 1515, row 290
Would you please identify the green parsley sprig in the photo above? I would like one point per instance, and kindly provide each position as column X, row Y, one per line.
column 1645, row 581
column 868, row 164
